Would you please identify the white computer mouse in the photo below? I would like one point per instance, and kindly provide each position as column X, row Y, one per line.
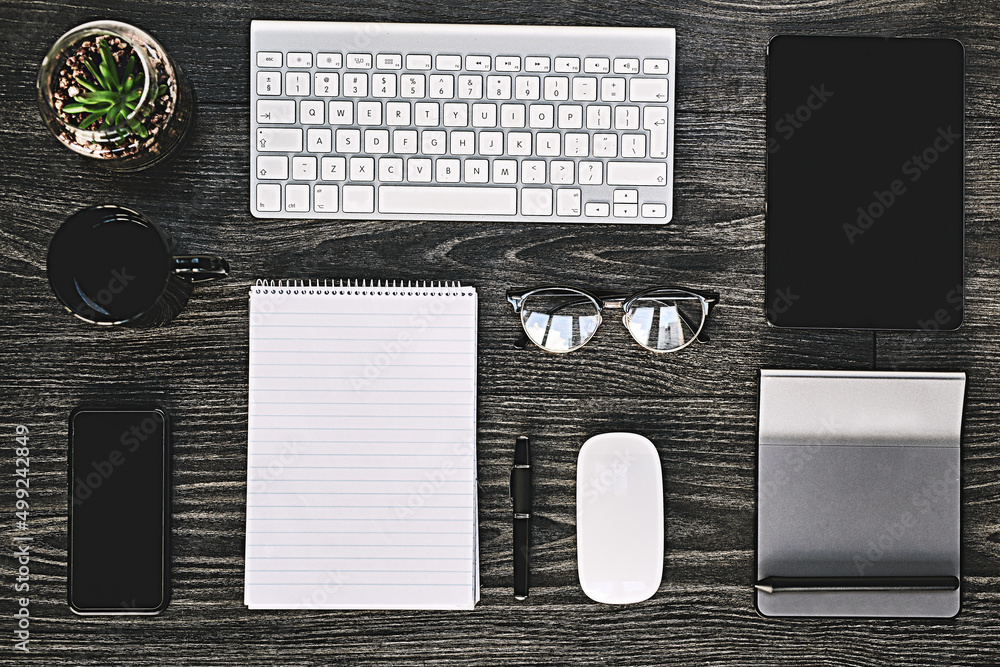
column 619, row 518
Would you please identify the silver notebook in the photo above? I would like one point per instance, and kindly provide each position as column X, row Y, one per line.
column 858, row 474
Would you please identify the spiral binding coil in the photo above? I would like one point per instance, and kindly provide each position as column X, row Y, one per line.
column 363, row 287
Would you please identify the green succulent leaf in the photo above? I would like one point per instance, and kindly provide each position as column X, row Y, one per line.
column 86, row 84
column 91, row 119
column 108, row 66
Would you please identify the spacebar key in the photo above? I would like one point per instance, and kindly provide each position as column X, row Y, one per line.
column 443, row 200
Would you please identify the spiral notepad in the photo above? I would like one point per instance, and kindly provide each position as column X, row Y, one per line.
column 361, row 485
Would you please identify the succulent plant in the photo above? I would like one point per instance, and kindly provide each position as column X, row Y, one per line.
column 111, row 95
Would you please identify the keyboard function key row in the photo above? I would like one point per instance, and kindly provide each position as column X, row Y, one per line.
column 473, row 63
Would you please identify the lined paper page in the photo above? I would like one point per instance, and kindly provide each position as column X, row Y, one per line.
column 362, row 458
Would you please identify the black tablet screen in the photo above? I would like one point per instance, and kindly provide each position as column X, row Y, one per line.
column 865, row 160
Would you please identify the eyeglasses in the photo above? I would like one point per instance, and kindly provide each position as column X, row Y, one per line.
column 562, row 319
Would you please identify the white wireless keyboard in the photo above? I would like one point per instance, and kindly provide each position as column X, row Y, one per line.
column 461, row 122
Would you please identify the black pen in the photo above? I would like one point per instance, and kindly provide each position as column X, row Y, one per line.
column 520, row 498
column 861, row 584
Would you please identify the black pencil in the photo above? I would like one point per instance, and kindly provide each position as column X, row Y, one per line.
column 846, row 584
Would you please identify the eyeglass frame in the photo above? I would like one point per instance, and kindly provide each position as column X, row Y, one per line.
column 614, row 300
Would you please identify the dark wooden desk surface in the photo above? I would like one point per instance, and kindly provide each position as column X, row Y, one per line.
column 698, row 406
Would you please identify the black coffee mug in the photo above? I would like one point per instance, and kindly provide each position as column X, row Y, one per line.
column 110, row 265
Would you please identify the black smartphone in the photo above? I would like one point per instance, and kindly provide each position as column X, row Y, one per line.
column 119, row 511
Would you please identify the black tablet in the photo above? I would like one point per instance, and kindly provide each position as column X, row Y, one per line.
column 865, row 161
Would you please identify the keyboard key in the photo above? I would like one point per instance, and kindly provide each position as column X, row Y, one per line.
column 268, row 83
column 654, row 119
column 268, row 197
column 571, row 65
column 358, row 199
column 633, row 145
column 463, row 143
column 413, row 85
column 576, row 144
column 597, row 209
column 362, row 168
column 359, row 61
column 319, row 140
column 418, row 61
column 297, row 84
column 304, row 168
column 537, row 64
column 390, row 169
column 612, row 89
column 348, row 141
column 637, row 173
column 570, row 117
column 298, row 59
column 526, row 87
column 326, row 84
column 547, row 144
column 369, row 113
column 541, row 116
column 556, row 88
column 325, row 198
column 498, row 87
column 519, row 143
column 383, row 85
column 505, row 171
column 448, row 170
column 311, row 112
column 536, row 201
column 333, row 169
column 329, row 60
column 626, row 65
column 568, row 202
column 597, row 65
column 355, row 85
column 448, row 63
column 279, row 140
column 432, row 142
column 484, row 115
column 655, row 66
column 397, row 113
column 584, row 89
column 418, row 170
column 477, row 63
column 404, row 142
column 470, row 87
column 427, row 114
column 477, row 171
column 605, row 145
column 341, row 113
column 512, row 115
column 561, row 172
column 272, row 167
column 491, row 143
column 626, row 117
column 447, row 200
column 654, row 210
column 591, row 173
column 456, row 114
column 269, row 59
column 297, row 198
column 598, row 117
column 376, row 141
column 389, row 61
column 533, row 171
column 508, row 64
column 648, row 90
column 626, row 210
column 442, row 86
column 626, row 196
column 275, row 111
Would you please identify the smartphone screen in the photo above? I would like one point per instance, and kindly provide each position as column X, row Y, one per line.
column 119, row 511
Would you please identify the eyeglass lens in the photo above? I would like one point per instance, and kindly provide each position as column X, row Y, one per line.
column 665, row 320
column 559, row 319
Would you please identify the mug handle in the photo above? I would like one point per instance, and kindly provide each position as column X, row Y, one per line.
column 200, row 268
